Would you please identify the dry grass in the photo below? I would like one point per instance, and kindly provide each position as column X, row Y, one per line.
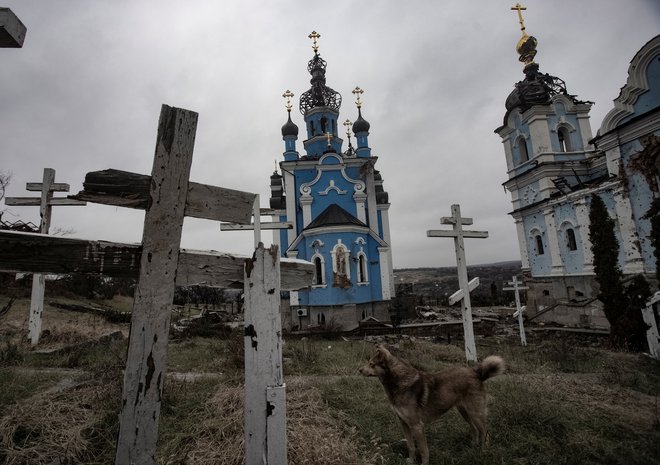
column 64, row 427
column 315, row 435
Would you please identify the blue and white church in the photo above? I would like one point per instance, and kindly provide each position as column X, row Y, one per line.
column 554, row 164
column 333, row 197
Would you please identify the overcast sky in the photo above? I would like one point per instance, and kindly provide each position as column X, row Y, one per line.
column 84, row 94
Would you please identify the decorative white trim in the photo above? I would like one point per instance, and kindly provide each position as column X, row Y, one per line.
column 306, row 188
column 636, row 85
column 360, row 241
column 332, row 187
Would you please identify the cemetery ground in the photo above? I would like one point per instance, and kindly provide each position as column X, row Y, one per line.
column 564, row 399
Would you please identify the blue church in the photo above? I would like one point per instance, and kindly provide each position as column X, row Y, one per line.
column 555, row 164
column 333, row 196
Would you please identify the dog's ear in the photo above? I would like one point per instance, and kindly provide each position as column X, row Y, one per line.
column 382, row 351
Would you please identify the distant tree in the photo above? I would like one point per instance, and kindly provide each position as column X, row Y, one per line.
column 5, row 177
column 622, row 306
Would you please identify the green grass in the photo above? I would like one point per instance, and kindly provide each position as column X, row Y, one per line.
column 16, row 385
column 544, row 412
column 560, row 402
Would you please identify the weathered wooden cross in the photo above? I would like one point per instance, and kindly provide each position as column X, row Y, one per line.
column 652, row 336
column 519, row 309
column 45, row 204
column 463, row 294
column 160, row 264
column 12, row 30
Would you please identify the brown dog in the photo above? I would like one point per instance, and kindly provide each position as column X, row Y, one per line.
column 419, row 398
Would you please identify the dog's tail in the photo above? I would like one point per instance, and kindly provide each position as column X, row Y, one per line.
column 492, row 365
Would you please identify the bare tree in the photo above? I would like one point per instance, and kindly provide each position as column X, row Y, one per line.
column 5, row 178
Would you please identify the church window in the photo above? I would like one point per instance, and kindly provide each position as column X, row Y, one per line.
column 539, row 245
column 311, row 128
column 570, row 239
column 319, row 270
column 324, row 121
column 362, row 268
column 522, row 147
column 564, row 140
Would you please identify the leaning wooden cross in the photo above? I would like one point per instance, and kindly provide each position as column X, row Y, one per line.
column 45, row 204
column 463, row 294
column 519, row 309
column 158, row 263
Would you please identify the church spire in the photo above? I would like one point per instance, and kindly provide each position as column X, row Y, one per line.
column 526, row 46
column 361, row 127
column 289, row 130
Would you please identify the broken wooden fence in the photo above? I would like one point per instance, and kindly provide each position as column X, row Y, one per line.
column 159, row 265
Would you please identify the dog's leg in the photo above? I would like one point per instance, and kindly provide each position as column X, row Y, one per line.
column 467, row 417
column 410, row 442
column 420, row 439
column 476, row 412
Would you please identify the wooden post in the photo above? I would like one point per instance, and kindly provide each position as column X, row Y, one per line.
column 465, row 286
column 45, row 204
column 519, row 310
column 652, row 336
column 265, row 391
column 147, row 347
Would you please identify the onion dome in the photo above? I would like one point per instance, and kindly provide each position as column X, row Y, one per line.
column 289, row 128
column 361, row 124
column 537, row 88
column 319, row 95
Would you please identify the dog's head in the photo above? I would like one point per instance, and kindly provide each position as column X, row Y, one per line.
column 378, row 365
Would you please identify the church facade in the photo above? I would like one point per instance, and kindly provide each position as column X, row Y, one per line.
column 333, row 197
column 554, row 166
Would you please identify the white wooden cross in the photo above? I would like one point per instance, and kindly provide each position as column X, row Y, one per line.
column 257, row 226
column 465, row 286
column 652, row 336
column 45, row 204
column 519, row 309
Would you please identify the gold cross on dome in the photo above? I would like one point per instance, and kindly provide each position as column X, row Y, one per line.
column 357, row 92
column 287, row 95
column 315, row 35
column 348, row 124
column 520, row 8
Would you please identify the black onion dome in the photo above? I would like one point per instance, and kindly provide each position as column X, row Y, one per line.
column 319, row 95
column 289, row 128
column 361, row 124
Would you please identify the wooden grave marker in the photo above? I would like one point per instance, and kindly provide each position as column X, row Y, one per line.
column 158, row 263
column 463, row 294
column 519, row 309
column 45, row 203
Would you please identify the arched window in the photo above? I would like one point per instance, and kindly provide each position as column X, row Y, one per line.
column 362, row 268
column 311, row 128
column 522, row 147
column 318, row 271
column 324, row 121
column 539, row 244
column 570, row 239
column 564, row 140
